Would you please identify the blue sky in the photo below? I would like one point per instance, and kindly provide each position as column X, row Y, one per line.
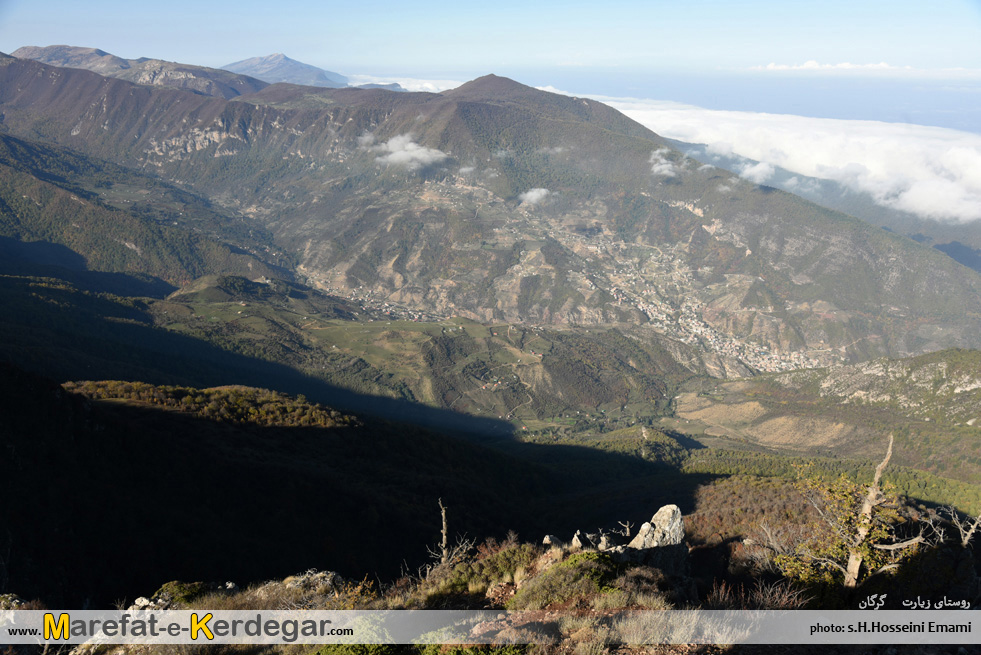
column 438, row 38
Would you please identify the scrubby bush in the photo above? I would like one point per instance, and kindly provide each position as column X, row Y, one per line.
column 496, row 563
column 465, row 578
column 580, row 577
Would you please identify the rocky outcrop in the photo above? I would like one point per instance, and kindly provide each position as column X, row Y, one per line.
column 297, row 591
column 321, row 582
column 175, row 594
column 666, row 528
column 658, row 543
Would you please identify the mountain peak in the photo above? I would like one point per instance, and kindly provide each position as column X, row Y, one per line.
column 277, row 67
column 92, row 59
column 274, row 58
column 493, row 86
column 37, row 52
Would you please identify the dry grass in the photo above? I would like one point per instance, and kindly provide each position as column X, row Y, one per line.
column 780, row 595
column 313, row 590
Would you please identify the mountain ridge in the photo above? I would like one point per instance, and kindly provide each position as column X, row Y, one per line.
column 154, row 72
column 111, row 219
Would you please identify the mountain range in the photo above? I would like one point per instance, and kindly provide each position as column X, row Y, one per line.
column 499, row 202
column 230, row 81
column 522, row 279
column 154, row 72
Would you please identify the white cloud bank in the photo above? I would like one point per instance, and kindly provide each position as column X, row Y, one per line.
column 403, row 151
column 929, row 171
column 879, row 69
column 815, row 66
column 534, row 196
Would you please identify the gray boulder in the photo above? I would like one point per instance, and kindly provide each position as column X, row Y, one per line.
column 666, row 528
column 552, row 541
column 610, row 540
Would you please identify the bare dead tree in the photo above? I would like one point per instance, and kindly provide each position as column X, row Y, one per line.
column 445, row 542
column 447, row 555
column 873, row 498
column 966, row 528
column 766, row 543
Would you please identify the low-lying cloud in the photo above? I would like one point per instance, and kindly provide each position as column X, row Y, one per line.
column 806, row 186
column 403, row 151
column 661, row 165
column 932, row 172
column 534, row 196
column 758, row 173
column 407, row 83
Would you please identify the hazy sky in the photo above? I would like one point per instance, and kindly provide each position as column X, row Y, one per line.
column 438, row 37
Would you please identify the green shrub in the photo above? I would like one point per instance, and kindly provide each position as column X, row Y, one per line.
column 500, row 565
column 181, row 593
column 581, row 576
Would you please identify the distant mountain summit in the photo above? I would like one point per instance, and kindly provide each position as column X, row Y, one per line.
column 151, row 72
column 93, row 59
column 391, row 86
column 280, row 68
